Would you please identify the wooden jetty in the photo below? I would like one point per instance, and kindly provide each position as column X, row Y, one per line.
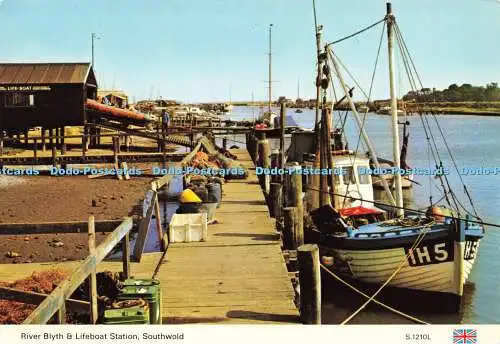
column 237, row 276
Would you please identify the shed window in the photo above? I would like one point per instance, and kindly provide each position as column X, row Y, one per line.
column 19, row 99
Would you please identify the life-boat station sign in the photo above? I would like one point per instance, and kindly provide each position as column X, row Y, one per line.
column 26, row 88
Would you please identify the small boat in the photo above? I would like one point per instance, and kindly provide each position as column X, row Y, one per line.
column 386, row 110
column 298, row 110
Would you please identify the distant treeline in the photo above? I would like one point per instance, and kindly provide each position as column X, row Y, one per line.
column 455, row 93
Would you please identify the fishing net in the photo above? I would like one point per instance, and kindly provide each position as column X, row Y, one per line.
column 12, row 312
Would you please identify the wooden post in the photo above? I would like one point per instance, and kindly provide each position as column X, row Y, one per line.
column 63, row 142
column 159, row 228
column 310, row 284
column 296, row 184
column 224, row 143
column 44, row 147
column 126, row 256
column 116, row 144
column 264, row 161
column 273, row 195
column 289, row 223
column 84, row 140
column 93, row 279
column 54, row 156
column 1, row 142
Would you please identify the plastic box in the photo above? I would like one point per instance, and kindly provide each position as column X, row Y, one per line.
column 126, row 316
column 146, row 289
column 188, row 227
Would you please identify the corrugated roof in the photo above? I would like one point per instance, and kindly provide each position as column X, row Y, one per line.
column 43, row 73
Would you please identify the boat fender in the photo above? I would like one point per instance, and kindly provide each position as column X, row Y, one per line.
column 188, row 196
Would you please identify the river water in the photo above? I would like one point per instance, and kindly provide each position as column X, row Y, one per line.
column 474, row 142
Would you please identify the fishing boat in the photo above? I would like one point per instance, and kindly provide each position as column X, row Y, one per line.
column 429, row 253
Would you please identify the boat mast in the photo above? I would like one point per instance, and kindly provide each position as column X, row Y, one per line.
column 270, row 70
column 398, row 192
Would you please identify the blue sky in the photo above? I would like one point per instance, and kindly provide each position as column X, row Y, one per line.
column 207, row 50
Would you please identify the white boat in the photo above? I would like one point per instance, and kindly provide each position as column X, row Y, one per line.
column 386, row 110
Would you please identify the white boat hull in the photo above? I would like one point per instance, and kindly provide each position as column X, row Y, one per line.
column 423, row 270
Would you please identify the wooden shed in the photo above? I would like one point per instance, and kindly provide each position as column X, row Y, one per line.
column 49, row 95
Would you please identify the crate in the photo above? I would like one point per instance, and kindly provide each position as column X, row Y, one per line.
column 146, row 289
column 188, row 227
column 126, row 316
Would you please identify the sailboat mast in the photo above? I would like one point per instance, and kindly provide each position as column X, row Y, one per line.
column 270, row 70
column 398, row 192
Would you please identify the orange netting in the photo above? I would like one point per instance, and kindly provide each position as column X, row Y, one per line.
column 12, row 312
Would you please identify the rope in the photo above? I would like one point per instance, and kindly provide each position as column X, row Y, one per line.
column 356, row 33
column 403, row 261
column 407, row 316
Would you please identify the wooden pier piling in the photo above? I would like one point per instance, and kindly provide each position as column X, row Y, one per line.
column 293, row 198
column 289, row 224
column 310, row 284
column 264, row 161
column 93, row 278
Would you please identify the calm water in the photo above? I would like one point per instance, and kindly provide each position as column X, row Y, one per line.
column 474, row 142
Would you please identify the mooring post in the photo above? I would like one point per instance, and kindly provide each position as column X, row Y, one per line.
column 34, row 149
column 57, row 136
column 224, row 143
column 289, row 223
column 296, row 186
column 273, row 195
column 263, row 161
column 54, row 156
column 310, row 284
column 93, row 278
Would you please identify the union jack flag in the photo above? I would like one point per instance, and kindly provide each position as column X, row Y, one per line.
column 464, row 336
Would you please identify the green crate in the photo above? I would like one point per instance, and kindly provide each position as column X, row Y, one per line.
column 125, row 316
column 146, row 289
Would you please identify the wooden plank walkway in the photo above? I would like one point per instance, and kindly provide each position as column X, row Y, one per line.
column 239, row 274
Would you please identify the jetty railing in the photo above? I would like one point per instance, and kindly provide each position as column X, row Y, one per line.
column 56, row 301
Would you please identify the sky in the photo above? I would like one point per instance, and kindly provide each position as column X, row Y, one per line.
column 216, row 50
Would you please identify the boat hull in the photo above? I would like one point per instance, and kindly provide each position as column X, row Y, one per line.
column 438, row 265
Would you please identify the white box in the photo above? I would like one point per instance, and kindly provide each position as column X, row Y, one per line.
column 188, row 227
